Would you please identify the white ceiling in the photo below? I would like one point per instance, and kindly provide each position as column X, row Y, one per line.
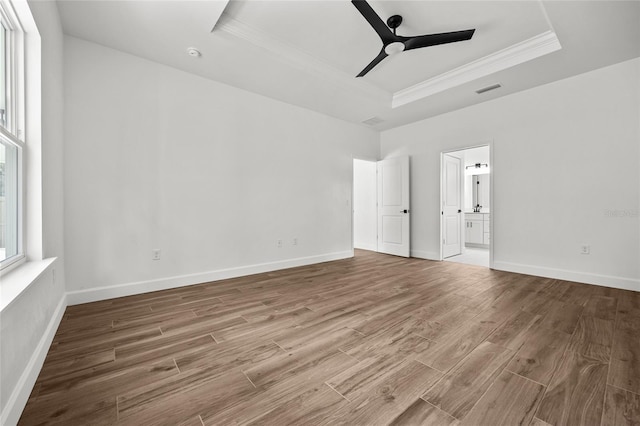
column 307, row 53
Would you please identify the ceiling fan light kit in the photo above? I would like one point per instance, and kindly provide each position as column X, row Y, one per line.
column 393, row 44
column 393, row 48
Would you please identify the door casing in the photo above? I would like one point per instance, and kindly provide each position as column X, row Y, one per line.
column 492, row 180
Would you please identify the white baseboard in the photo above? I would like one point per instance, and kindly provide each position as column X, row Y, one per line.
column 566, row 275
column 20, row 395
column 366, row 246
column 429, row 255
column 128, row 289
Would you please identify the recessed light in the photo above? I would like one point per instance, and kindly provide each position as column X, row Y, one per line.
column 192, row 51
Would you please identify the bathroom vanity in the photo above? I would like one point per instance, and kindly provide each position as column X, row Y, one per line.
column 477, row 229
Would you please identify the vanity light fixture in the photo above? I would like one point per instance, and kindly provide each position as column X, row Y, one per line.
column 477, row 169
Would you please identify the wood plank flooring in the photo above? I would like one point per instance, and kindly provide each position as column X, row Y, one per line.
column 372, row 340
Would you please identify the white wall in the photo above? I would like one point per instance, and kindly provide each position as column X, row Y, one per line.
column 28, row 324
column 564, row 154
column 46, row 15
column 210, row 174
column 364, row 205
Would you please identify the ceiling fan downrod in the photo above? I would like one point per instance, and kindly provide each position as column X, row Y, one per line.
column 394, row 22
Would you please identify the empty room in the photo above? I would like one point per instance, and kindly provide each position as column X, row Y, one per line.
column 365, row 212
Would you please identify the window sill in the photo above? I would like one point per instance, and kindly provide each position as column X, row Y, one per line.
column 15, row 282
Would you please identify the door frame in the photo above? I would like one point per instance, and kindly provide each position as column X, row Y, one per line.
column 490, row 144
column 460, row 200
column 361, row 158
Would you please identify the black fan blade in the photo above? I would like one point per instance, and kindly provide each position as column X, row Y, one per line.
column 374, row 20
column 435, row 39
column 373, row 63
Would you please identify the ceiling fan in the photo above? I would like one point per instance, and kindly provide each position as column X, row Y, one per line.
column 393, row 43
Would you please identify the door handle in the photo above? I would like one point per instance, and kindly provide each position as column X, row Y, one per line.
column 459, row 211
column 404, row 211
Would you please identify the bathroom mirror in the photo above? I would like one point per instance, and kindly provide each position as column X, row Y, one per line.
column 480, row 191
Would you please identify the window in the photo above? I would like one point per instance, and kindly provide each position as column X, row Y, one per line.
column 11, row 145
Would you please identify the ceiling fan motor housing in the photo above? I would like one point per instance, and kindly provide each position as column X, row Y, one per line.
column 394, row 22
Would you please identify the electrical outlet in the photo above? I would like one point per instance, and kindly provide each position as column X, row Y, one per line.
column 295, row 242
column 586, row 249
column 155, row 254
column 279, row 243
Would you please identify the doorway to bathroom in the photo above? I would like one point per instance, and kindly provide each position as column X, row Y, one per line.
column 466, row 198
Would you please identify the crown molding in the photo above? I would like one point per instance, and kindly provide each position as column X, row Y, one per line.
column 298, row 59
column 516, row 54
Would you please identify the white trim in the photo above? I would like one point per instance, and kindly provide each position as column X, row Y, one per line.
column 298, row 59
column 353, row 190
column 492, row 204
column 32, row 162
column 12, row 263
column 568, row 275
column 516, row 54
column 11, row 137
column 14, row 283
column 441, row 209
column 20, row 395
column 428, row 255
column 128, row 289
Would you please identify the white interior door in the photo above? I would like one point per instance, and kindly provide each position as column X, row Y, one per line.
column 393, row 206
column 451, row 206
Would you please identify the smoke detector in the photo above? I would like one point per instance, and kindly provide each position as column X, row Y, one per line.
column 193, row 52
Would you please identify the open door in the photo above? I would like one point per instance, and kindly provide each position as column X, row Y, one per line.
column 451, row 206
column 393, row 206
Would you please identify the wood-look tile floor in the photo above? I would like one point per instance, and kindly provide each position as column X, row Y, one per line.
column 372, row 340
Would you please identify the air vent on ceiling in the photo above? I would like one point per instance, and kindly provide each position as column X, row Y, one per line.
column 373, row 121
column 488, row 88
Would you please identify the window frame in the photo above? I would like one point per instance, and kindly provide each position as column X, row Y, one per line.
column 13, row 132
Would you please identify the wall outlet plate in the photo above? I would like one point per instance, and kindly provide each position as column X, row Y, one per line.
column 585, row 249
column 155, row 254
